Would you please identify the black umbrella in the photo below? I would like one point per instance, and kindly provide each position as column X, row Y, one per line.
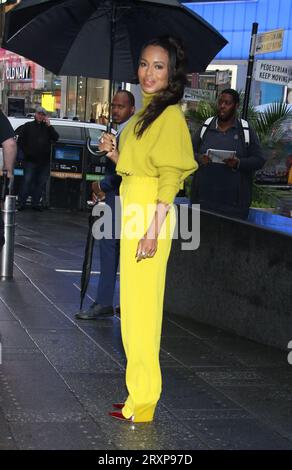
column 103, row 38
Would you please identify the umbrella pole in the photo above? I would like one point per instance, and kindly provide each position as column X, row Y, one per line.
column 101, row 154
column 87, row 262
column 111, row 58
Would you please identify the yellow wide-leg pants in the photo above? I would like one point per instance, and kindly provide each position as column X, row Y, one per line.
column 141, row 295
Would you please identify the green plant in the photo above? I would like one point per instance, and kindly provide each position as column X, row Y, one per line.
column 268, row 124
column 206, row 109
column 264, row 197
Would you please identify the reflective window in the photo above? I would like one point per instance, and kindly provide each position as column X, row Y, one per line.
column 71, row 96
column 69, row 133
column 94, row 133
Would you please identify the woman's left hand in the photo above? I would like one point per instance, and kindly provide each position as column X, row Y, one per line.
column 147, row 248
column 108, row 143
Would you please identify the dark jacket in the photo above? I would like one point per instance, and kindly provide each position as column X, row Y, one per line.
column 35, row 141
column 111, row 181
column 6, row 130
column 219, row 188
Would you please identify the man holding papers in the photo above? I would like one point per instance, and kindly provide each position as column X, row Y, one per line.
column 228, row 152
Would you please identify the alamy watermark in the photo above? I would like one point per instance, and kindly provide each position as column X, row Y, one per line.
column 181, row 223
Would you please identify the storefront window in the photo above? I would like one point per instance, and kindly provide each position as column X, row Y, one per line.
column 81, row 98
column 51, row 95
column 71, row 96
column 25, row 85
column 87, row 98
column 96, row 99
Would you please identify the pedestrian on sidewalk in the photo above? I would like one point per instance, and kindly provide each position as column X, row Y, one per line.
column 155, row 155
column 122, row 108
column 225, row 186
column 35, row 140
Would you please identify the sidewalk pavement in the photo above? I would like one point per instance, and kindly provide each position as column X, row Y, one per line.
column 59, row 376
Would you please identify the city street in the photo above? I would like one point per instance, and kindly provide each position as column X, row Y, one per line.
column 59, row 376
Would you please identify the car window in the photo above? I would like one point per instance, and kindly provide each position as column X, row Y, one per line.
column 69, row 132
column 94, row 133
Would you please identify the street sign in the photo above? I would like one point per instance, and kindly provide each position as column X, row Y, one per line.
column 279, row 73
column 222, row 77
column 270, row 41
column 196, row 94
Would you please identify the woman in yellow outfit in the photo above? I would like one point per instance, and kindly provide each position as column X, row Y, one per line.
column 155, row 155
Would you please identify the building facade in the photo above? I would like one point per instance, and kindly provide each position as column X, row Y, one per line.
column 25, row 85
column 234, row 19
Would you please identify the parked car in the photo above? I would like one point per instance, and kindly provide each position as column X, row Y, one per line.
column 68, row 130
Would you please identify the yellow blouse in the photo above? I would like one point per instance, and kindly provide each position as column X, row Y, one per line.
column 164, row 151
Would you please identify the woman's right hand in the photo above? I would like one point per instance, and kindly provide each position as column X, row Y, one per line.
column 108, row 143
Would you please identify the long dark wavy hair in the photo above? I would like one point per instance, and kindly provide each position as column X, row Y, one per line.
column 176, row 82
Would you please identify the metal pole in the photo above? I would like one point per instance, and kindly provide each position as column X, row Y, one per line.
column 249, row 69
column 101, row 154
column 8, row 212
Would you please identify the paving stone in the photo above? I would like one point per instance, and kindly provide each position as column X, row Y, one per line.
column 60, row 376
column 59, row 436
column 7, row 441
column 238, row 434
column 247, row 352
column 34, row 386
column 272, row 405
column 13, row 335
column 183, row 391
column 198, row 330
column 240, row 378
column 70, row 351
column 192, row 352
column 5, row 313
column 46, row 317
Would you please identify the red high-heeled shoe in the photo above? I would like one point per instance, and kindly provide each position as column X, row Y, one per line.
column 142, row 415
column 120, row 416
column 118, row 406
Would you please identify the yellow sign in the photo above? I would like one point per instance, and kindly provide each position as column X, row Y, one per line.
column 269, row 42
column 48, row 102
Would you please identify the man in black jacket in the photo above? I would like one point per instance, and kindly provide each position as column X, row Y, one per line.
column 35, row 139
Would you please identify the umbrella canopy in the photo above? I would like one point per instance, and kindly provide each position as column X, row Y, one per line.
column 103, row 38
